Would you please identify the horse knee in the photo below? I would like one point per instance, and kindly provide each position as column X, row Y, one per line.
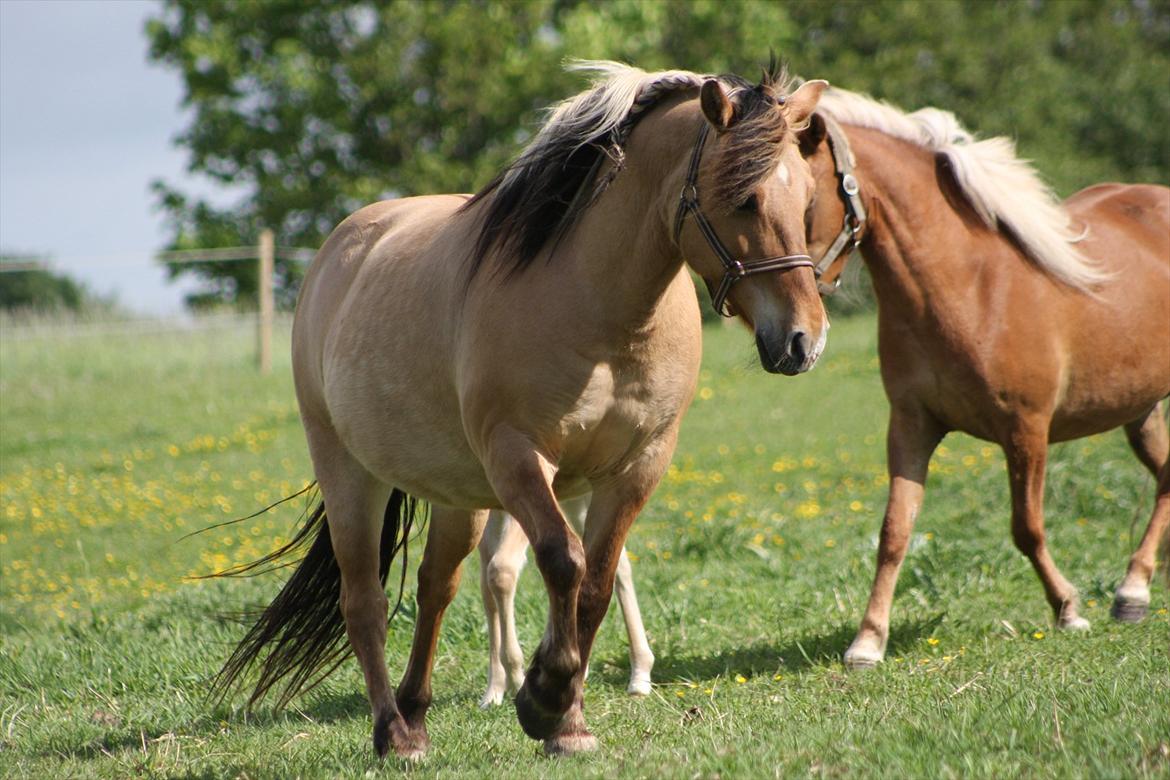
column 1027, row 540
column 501, row 576
column 562, row 563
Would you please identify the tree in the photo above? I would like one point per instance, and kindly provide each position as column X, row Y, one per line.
column 316, row 109
column 37, row 289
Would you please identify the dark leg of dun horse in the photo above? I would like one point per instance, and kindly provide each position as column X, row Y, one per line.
column 451, row 537
column 1151, row 443
column 355, row 503
column 522, row 478
column 913, row 436
column 612, row 511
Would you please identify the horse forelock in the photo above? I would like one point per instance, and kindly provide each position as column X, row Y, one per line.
column 555, row 178
column 1004, row 190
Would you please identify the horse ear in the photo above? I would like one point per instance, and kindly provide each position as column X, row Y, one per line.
column 716, row 105
column 800, row 104
column 811, row 137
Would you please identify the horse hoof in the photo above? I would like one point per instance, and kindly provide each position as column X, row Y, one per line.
column 537, row 722
column 859, row 659
column 409, row 743
column 1073, row 624
column 492, row 698
column 1129, row 609
column 569, row 744
column 639, row 686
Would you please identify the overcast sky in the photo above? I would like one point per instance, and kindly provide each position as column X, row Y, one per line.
column 85, row 126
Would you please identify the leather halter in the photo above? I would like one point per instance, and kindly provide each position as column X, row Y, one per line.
column 733, row 270
column 850, row 236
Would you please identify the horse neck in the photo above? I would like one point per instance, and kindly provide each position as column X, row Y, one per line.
column 621, row 252
column 922, row 241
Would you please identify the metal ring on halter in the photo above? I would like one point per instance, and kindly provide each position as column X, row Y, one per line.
column 854, row 221
column 733, row 270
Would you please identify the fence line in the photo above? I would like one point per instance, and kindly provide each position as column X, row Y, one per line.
column 264, row 254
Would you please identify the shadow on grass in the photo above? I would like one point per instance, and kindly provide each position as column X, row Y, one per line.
column 818, row 649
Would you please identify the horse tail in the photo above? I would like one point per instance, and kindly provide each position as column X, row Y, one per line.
column 300, row 637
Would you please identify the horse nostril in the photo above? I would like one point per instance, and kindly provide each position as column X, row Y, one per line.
column 800, row 346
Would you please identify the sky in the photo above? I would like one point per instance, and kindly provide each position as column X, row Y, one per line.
column 85, row 125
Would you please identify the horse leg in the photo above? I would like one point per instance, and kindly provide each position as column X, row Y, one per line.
column 522, row 479
column 1026, row 451
column 1150, row 441
column 641, row 657
column 612, row 511
column 451, row 537
column 355, row 504
column 911, row 440
column 502, row 554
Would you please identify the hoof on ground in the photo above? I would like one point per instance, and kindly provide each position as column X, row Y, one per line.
column 570, row 744
column 639, row 686
column 537, row 721
column 1077, row 623
column 491, row 698
column 408, row 743
column 860, row 659
column 1130, row 609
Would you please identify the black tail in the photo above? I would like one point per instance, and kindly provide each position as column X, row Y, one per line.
column 300, row 637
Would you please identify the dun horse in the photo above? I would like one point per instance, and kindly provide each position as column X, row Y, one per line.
column 537, row 341
column 1001, row 313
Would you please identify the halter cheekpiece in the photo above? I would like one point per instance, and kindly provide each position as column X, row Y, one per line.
column 850, row 236
column 733, row 270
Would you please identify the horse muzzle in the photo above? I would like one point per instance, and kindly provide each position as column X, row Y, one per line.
column 791, row 353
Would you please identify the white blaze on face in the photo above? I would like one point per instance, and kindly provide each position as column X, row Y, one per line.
column 782, row 174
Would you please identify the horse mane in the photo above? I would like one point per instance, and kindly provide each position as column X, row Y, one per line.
column 1004, row 190
column 543, row 192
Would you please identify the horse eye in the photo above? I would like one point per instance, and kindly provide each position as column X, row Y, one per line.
column 751, row 205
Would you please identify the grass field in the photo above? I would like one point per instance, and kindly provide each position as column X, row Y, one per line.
column 753, row 562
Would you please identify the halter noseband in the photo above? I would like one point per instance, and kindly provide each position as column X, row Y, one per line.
column 733, row 270
column 850, row 236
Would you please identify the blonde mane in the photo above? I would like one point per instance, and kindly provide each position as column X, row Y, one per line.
column 1005, row 191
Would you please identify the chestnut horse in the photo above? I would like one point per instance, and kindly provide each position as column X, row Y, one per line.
column 1001, row 313
column 537, row 341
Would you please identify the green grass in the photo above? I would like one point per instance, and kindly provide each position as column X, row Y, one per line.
column 753, row 563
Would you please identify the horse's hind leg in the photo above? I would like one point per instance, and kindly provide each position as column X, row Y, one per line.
column 641, row 657
column 1026, row 450
column 522, row 479
column 355, row 504
column 1150, row 441
column 502, row 555
column 451, row 537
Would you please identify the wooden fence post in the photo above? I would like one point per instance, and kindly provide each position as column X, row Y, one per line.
column 267, row 256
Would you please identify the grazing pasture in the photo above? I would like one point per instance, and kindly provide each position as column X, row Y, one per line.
column 752, row 562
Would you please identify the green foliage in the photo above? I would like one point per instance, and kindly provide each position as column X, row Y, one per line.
column 312, row 110
column 38, row 290
column 753, row 562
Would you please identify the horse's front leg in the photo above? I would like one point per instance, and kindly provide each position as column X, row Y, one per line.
column 1026, row 451
column 615, row 505
column 641, row 657
column 911, row 440
column 451, row 537
column 522, row 478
